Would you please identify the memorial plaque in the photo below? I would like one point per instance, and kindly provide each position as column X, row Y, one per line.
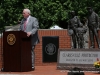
column 82, row 58
column 50, row 45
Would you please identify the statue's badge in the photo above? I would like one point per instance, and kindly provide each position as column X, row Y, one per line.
column 50, row 49
column 11, row 39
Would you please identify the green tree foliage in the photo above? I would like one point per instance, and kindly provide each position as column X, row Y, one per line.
column 48, row 12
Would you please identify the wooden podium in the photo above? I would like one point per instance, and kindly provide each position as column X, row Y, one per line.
column 16, row 51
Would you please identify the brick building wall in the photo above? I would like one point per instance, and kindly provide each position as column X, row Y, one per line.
column 64, row 43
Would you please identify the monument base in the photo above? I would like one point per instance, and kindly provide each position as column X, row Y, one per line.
column 81, row 58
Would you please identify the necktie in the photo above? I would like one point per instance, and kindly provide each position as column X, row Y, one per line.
column 25, row 24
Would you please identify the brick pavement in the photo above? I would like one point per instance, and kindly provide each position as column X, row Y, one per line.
column 45, row 70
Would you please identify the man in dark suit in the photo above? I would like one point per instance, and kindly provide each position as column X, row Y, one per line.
column 30, row 25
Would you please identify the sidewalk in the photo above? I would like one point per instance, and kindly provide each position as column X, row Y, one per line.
column 44, row 70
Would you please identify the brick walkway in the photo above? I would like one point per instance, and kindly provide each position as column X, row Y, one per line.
column 44, row 70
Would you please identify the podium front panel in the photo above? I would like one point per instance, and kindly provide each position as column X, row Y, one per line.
column 16, row 52
column 11, row 52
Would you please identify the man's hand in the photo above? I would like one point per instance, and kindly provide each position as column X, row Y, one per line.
column 28, row 34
